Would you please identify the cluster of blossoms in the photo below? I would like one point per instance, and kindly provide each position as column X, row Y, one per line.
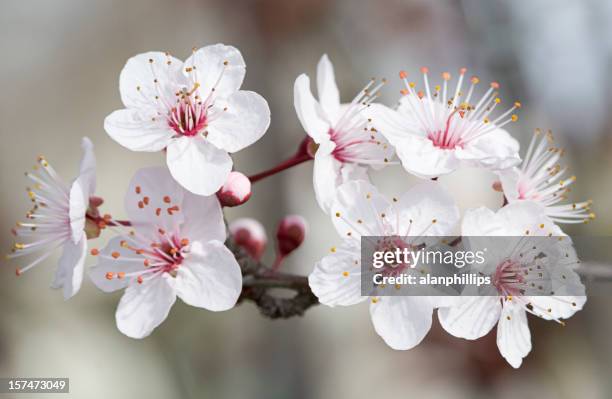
column 174, row 242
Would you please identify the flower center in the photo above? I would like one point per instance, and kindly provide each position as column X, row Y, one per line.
column 509, row 278
column 393, row 244
column 188, row 117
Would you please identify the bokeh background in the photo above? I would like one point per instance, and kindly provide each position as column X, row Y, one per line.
column 59, row 67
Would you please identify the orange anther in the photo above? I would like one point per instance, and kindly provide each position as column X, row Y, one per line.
column 495, row 85
column 404, row 92
column 120, row 275
column 146, row 263
column 158, row 211
column 140, row 204
column 173, row 209
column 110, row 275
column 115, row 254
column 167, row 199
column 517, row 104
column 17, row 272
column 95, row 252
column 446, row 75
column 424, row 70
column 146, row 200
column 138, row 190
column 475, row 80
column 403, row 75
column 140, row 279
column 462, row 71
column 420, row 94
column 184, row 242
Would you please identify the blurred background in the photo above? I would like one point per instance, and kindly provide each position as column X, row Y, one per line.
column 60, row 66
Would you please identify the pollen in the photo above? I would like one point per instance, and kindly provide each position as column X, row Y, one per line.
column 115, row 255
column 138, row 189
column 17, row 272
column 337, row 214
column 403, row 75
column 120, row 275
column 167, row 199
column 94, row 252
column 110, row 275
column 345, row 274
column 139, row 279
column 333, row 249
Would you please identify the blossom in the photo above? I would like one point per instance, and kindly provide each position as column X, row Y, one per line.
column 345, row 144
column 541, row 179
column 57, row 219
column 435, row 132
column 359, row 210
column 525, row 272
column 193, row 109
column 175, row 249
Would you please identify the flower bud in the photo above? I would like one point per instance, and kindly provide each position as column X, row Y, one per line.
column 290, row 234
column 236, row 190
column 250, row 235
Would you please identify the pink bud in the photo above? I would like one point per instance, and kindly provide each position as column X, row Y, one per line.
column 250, row 235
column 236, row 190
column 290, row 234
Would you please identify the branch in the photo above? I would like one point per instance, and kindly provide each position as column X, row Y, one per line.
column 259, row 279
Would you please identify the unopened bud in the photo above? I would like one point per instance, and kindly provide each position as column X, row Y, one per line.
column 290, row 234
column 236, row 190
column 250, row 235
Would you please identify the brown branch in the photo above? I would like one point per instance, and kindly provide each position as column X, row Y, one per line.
column 259, row 279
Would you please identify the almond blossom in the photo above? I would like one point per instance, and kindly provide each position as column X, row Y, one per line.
column 532, row 272
column 541, row 179
column 57, row 219
column 439, row 130
column 346, row 146
column 175, row 248
column 193, row 109
column 359, row 210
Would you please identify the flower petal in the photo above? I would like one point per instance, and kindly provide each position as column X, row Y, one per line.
column 77, row 208
column 217, row 66
column 329, row 97
column 336, row 279
column 69, row 273
column 197, row 165
column 245, row 119
column 152, row 191
column 495, row 150
column 472, row 318
column 513, row 336
column 358, row 209
column 427, row 209
column 309, row 112
column 509, row 179
column 88, row 164
column 402, row 322
column 145, row 306
column 209, row 278
column 148, row 76
column 196, row 209
column 326, row 179
column 137, row 130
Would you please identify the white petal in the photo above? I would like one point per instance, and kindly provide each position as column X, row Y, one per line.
column 481, row 222
column 69, row 273
column 509, row 179
column 197, row 165
column 209, row 278
column 329, row 97
column 326, row 179
column 358, row 209
column 495, row 150
column 87, row 169
column 211, row 69
column 556, row 307
column 336, row 279
column 243, row 122
column 203, row 218
column 422, row 204
column 153, row 184
column 77, row 208
column 472, row 317
column 137, row 130
column 137, row 80
column 402, row 322
column 513, row 336
column 144, row 306
column 309, row 112
column 420, row 157
column 128, row 262
column 392, row 124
